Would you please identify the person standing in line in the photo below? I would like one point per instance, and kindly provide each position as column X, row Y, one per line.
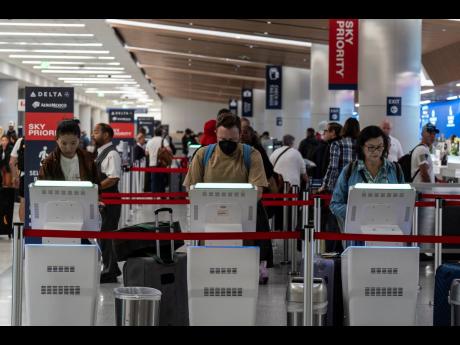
column 308, row 145
column 108, row 162
column 153, row 145
column 396, row 150
column 209, row 133
column 7, row 190
column 17, row 171
column 11, row 131
column 421, row 163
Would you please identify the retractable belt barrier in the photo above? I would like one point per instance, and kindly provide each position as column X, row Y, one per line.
column 161, row 170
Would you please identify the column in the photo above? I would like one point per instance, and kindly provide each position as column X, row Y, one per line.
column 104, row 116
column 258, row 118
column 8, row 103
column 95, row 116
column 76, row 110
column 389, row 66
column 296, row 108
column 85, row 118
column 321, row 97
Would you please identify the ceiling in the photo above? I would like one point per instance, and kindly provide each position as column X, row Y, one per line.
column 208, row 68
column 78, row 53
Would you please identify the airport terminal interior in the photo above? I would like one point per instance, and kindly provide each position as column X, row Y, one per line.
column 240, row 172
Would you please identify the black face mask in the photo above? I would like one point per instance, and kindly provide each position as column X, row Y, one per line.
column 227, row 146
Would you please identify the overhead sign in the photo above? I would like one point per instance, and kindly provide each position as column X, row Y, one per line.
column 233, row 106
column 247, row 102
column 273, row 86
column 148, row 124
column 394, row 106
column 334, row 114
column 343, row 54
column 122, row 122
column 45, row 107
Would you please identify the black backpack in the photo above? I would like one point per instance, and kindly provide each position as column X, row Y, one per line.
column 406, row 165
column 21, row 155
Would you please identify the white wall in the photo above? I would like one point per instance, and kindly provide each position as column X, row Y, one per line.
column 182, row 113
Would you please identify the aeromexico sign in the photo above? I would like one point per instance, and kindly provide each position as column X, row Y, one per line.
column 343, row 54
column 45, row 108
column 122, row 122
column 273, row 86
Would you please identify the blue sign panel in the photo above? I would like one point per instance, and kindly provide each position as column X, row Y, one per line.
column 247, row 100
column 233, row 106
column 394, row 105
column 279, row 121
column 273, row 79
column 148, row 124
column 334, row 114
column 444, row 115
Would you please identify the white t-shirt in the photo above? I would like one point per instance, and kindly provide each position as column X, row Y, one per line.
column 111, row 165
column 290, row 165
column 152, row 147
column 421, row 155
column 395, row 151
column 71, row 168
column 14, row 152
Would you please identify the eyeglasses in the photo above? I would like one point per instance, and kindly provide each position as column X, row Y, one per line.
column 372, row 149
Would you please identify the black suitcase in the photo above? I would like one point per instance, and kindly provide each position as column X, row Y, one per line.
column 7, row 196
column 167, row 273
column 329, row 268
column 445, row 274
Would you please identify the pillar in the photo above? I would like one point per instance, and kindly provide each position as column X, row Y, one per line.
column 389, row 66
column 95, row 116
column 321, row 97
column 8, row 103
column 258, row 117
column 76, row 110
column 85, row 118
column 104, row 116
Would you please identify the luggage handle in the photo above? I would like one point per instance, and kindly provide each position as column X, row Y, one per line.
column 171, row 229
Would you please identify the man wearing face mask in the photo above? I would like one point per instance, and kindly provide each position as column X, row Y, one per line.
column 226, row 164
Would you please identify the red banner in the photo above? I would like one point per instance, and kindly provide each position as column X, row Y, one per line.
column 123, row 130
column 42, row 126
column 343, row 54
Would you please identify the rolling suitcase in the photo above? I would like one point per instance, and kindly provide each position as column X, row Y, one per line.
column 329, row 269
column 445, row 274
column 167, row 273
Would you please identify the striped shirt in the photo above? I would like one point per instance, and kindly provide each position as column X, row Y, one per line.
column 342, row 152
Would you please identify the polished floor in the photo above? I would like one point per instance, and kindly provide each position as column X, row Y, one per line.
column 271, row 308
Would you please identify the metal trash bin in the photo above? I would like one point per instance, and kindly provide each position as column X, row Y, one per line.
column 454, row 300
column 137, row 306
column 294, row 302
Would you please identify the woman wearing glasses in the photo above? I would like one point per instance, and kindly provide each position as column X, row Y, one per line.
column 371, row 166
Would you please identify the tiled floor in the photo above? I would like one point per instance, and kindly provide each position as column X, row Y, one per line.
column 271, row 309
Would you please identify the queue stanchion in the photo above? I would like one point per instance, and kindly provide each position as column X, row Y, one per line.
column 438, row 232
column 415, row 225
column 131, row 181
column 285, row 226
column 309, row 245
column 305, row 210
column 292, row 242
column 18, row 253
column 317, row 221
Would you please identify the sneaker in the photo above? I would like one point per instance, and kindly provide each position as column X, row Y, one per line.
column 263, row 273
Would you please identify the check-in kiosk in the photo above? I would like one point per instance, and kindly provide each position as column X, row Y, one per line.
column 380, row 282
column 62, row 275
column 223, row 275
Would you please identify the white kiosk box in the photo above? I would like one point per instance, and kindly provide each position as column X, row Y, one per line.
column 226, row 207
column 61, row 275
column 223, row 280
column 380, row 283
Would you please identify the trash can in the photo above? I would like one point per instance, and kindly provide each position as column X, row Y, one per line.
column 294, row 302
column 454, row 300
column 137, row 306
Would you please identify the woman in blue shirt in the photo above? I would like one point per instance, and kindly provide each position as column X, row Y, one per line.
column 372, row 166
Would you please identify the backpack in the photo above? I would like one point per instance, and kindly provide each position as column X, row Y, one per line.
column 164, row 156
column 21, row 155
column 246, row 155
column 352, row 165
column 406, row 165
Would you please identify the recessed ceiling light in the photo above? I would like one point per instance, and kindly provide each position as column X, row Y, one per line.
column 189, row 65
column 251, row 46
column 191, row 24
column 444, row 30
column 206, row 32
column 189, row 38
column 426, row 91
column 265, row 33
column 189, row 60
column 269, row 22
column 62, row 25
column 44, row 34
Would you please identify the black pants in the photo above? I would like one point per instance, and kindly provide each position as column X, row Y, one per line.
column 110, row 218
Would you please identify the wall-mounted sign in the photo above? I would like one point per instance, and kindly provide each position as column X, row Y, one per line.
column 148, row 124
column 279, row 121
column 233, row 106
column 334, row 114
column 45, row 107
column 247, row 102
column 343, row 54
column 394, row 106
column 273, row 87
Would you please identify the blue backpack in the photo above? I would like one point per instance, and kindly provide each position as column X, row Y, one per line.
column 246, row 155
